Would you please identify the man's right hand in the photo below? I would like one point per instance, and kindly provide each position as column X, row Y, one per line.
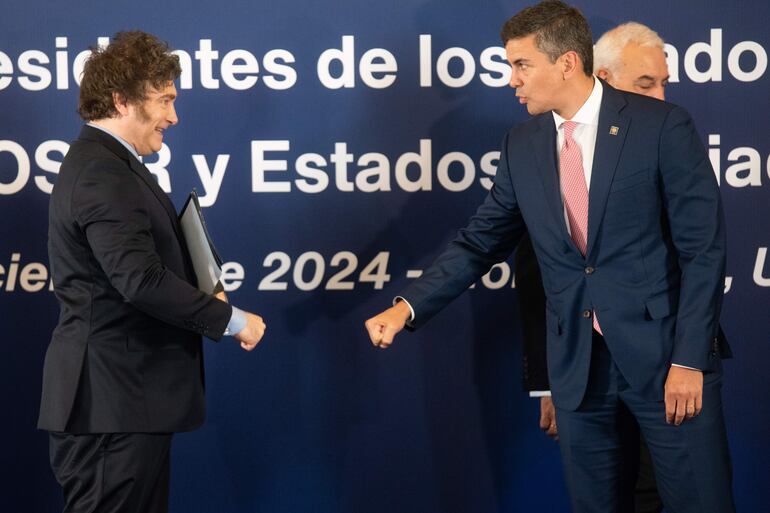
column 384, row 326
column 250, row 336
column 548, row 417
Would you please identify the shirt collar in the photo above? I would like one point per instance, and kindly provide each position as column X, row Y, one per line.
column 122, row 141
column 588, row 114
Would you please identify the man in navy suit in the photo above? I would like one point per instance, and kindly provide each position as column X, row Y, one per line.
column 625, row 217
column 629, row 57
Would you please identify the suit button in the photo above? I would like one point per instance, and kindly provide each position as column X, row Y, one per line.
column 589, row 270
column 587, row 314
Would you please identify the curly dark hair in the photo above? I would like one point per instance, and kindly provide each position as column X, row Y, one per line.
column 558, row 28
column 133, row 61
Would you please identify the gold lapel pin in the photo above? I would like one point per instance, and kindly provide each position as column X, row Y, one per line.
column 614, row 130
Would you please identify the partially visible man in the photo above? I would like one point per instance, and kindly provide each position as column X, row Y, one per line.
column 124, row 369
column 631, row 58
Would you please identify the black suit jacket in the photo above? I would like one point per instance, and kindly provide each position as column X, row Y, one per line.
column 529, row 285
column 126, row 353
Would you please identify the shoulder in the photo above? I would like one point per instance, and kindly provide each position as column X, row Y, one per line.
column 100, row 181
column 648, row 115
column 521, row 132
column 640, row 106
column 89, row 157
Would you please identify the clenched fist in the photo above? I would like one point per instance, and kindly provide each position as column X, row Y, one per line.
column 250, row 336
column 384, row 326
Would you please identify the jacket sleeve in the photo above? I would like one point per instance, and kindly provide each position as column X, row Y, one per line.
column 489, row 237
column 696, row 220
column 109, row 207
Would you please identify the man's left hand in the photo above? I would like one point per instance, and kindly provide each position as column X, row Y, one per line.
column 683, row 394
column 548, row 417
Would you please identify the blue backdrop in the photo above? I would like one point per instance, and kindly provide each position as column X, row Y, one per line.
column 338, row 146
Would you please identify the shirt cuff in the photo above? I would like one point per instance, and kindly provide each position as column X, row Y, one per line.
column 540, row 393
column 237, row 322
column 411, row 310
column 684, row 366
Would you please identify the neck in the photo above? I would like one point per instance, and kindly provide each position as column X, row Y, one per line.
column 576, row 92
column 115, row 126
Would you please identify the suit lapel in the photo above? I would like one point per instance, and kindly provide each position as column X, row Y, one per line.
column 610, row 137
column 144, row 173
column 544, row 145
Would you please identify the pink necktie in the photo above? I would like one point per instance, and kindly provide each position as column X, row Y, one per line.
column 575, row 191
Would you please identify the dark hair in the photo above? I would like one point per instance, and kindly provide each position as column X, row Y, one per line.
column 132, row 61
column 558, row 28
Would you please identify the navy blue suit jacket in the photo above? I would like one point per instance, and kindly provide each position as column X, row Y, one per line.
column 654, row 269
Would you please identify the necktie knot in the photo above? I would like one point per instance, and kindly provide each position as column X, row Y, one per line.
column 569, row 128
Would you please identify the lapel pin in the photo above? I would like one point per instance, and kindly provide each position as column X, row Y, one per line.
column 614, row 130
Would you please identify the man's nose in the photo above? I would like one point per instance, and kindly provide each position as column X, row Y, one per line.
column 172, row 117
column 515, row 81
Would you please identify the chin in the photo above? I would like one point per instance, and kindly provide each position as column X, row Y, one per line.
column 533, row 110
column 155, row 146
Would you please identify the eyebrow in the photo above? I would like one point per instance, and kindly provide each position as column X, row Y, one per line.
column 648, row 78
column 520, row 60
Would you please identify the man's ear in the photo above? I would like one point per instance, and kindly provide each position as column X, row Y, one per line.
column 121, row 105
column 571, row 64
column 603, row 74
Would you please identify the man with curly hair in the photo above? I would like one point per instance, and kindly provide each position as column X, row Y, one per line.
column 124, row 369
